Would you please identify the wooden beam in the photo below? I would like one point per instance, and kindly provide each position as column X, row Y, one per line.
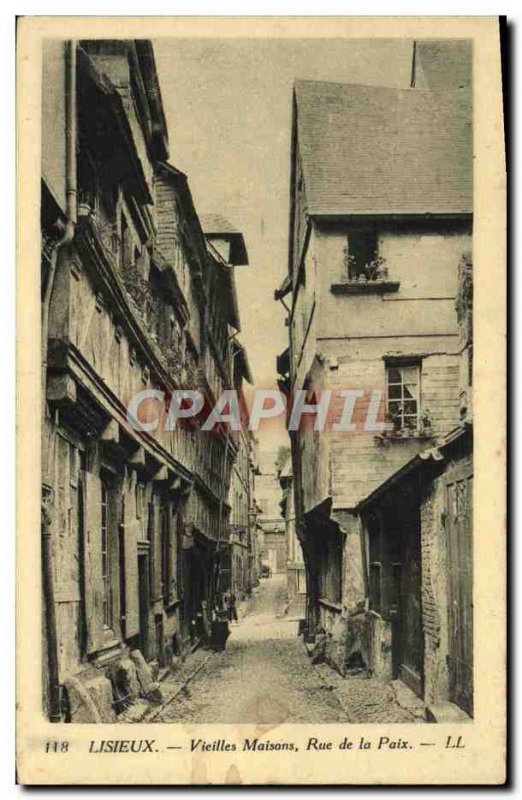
column 162, row 474
column 61, row 389
column 175, row 484
column 111, row 432
column 137, row 459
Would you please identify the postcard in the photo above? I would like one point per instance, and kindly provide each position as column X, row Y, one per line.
column 261, row 401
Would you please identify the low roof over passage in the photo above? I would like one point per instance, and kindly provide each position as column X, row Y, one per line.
column 377, row 150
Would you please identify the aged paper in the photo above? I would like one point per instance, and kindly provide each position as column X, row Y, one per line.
column 261, row 392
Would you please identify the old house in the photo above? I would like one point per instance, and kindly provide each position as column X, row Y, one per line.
column 380, row 220
column 208, row 290
column 242, row 543
column 133, row 520
column 418, row 537
column 226, row 250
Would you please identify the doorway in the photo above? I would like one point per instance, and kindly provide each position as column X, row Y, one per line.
column 459, row 495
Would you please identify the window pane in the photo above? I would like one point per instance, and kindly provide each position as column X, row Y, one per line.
column 410, row 407
column 410, row 392
column 394, row 375
column 394, row 391
column 410, row 374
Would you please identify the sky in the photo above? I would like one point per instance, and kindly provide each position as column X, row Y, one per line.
column 228, row 109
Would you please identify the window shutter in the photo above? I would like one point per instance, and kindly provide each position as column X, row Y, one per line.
column 92, row 561
column 132, row 607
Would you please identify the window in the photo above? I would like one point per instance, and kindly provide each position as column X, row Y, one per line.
column 362, row 252
column 106, row 558
column 402, row 396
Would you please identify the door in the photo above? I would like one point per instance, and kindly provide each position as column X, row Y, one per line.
column 412, row 668
column 460, row 589
column 396, row 617
column 143, row 586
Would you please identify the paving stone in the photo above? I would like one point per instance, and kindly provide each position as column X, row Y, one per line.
column 135, row 712
column 265, row 677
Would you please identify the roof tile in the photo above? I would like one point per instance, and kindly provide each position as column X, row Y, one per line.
column 377, row 150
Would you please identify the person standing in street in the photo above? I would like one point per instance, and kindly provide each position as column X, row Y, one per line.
column 230, row 602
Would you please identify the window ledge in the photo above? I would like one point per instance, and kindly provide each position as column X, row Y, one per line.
column 368, row 287
column 399, row 437
column 107, row 651
column 331, row 605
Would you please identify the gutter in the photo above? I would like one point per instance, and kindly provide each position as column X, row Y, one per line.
column 46, row 518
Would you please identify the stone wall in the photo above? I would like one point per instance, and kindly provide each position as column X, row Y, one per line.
column 434, row 592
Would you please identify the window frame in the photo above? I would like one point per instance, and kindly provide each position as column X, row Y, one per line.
column 400, row 365
column 357, row 242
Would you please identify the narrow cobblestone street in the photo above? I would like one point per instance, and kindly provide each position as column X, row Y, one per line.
column 265, row 676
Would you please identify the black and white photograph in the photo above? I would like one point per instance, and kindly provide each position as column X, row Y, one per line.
column 257, row 378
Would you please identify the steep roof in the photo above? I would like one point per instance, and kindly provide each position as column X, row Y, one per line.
column 215, row 223
column 443, row 64
column 377, row 150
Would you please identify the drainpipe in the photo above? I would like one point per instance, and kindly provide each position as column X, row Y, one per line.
column 46, row 519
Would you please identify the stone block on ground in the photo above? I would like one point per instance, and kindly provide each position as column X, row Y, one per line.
column 100, row 690
column 81, row 705
column 148, row 686
column 348, row 648
column 127, row 679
